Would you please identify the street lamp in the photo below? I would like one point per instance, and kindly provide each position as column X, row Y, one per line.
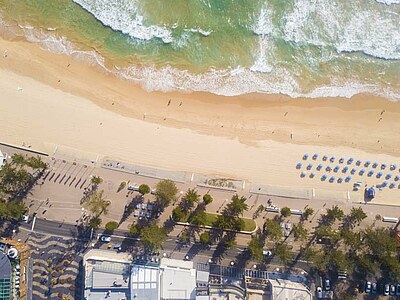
column 232, row 263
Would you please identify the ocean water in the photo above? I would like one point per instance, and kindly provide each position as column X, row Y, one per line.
column 310, row 48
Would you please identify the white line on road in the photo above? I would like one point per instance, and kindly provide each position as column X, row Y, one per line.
column 33, row 223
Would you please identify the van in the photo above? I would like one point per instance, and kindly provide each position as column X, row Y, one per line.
column 390, row 219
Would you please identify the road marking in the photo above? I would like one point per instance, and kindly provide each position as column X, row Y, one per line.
column 33, row 222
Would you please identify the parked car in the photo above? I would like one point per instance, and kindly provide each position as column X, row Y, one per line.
column 25, row 218
column 368, row 287
column 398, row 290
column 319, row 292
column 267, row 253
column 392, row 290
column 386, row 290
column 105, row 238
column 327, row 285
column 133, row 187
column 374, row 288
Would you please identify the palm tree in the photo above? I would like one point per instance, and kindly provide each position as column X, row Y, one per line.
column 190, row 198
column 237, row 206
column 96, row 180
column 97, row 204
column 36, row 162
column 18, row 160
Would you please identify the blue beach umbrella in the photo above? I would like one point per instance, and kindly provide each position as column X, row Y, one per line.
column 358, row 162
column 383, row 166
column 323, row 177
column 392, row 185
column 353, row 171
column 396, row 178
column 305, row 156
column 385, row 183
column 388, row 176
column 332, row 159
column 375, row 164
column 312, row 175
column 315, row 156
column 325, row 158
column 336, row 169
column 303, row 174
column 345, row 169
column 328, row 168
column 350, row 160
column 370, row 173
column 362, row 171
column 379, row 175
column 348, row 178
column 393, row 167
column 340, row 180
column 332, row 179
column 309, row 167
column 298, row 166
column 341, row 160
column 367, row 163
column 319, row 167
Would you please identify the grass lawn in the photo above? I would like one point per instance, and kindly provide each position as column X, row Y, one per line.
column 249, row 224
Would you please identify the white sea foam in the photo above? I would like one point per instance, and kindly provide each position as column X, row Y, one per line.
column 388, row 2
column 228, row 82
column 124, row 16
column 348, row 26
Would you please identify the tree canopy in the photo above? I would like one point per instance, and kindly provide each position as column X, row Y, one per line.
column 13, row 209
column 153, row 236
column 273, row 230
column 166, row 191
column 111, row 226
column 207, row 198
column 237, row 206
column 144, row 189
column 255, row 248
column 96, row 203
column 334, row 213
column 285, row 212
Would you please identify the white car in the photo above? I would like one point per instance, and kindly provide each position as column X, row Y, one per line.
column 133, row 187
column 25, row 218
column 368, row 287
column 319, row 292
column 105, row 238
column 327, row 285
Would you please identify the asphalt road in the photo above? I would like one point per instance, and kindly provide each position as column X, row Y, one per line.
column 171, row 246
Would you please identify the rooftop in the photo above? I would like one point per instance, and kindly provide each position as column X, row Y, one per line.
column 178, row 279
column 145, row 282
column 5, row 266
column 286, row 289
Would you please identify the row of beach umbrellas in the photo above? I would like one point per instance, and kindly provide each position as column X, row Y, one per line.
column 350, row 160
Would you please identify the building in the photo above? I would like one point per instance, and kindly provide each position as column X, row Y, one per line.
column 178, row 279
column 113, row 276
column 5, row 277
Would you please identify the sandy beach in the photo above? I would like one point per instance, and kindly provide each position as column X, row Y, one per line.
column 50, row 100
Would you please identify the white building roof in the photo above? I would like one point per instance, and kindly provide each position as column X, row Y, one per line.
column 285, row 289
column 178, row 279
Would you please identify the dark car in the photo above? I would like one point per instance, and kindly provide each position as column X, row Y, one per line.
column 374, row 288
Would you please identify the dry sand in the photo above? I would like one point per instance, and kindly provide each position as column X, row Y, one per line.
column 255, row 137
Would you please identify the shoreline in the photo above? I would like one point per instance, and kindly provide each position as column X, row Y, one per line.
column 258, row 138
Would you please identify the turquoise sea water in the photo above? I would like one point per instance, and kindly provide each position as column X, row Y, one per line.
column 311, row 48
